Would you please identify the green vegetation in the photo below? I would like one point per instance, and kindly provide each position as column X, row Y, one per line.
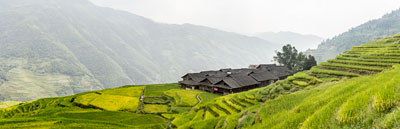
column 337, row 94
column 115, row 103
column 357, row 91
column 350, row 104
column 155, row 108
column 319, row 71
column 8, row 104
column 156, row 100
column 130, row 91
column 61, row 113
column 109, row 108
column 184, row 97
column 303, row 79
column 118, row 99
column 88, row 120
column 169, row 116
column 205, row 97
column 367, row 32
column 158, row 90
column 300, row 83
column 293, row 60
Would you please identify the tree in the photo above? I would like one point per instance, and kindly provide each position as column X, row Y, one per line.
column 310, row 62
column 293, row 60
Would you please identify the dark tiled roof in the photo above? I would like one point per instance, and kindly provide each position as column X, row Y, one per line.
column 231, row 83
column 197, row 76
column 244, row 80
column 236, row 78
column 215, row 80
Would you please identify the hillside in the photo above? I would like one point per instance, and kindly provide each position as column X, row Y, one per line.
column 300, row 41
column 147, row 106
column 52, row 48
column 357, row 89
column 387, row 25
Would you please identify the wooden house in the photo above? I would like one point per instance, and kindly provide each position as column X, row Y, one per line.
column 227, row 81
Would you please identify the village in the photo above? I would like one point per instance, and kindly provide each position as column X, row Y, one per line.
column 229, row 81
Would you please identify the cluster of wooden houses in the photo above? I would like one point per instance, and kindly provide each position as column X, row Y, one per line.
column 228, row 81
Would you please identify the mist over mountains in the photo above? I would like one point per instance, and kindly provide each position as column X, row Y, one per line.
column 56, row 47
column 300, row 41
column 389, row 24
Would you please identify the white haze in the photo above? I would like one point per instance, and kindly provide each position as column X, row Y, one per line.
column 325, row 18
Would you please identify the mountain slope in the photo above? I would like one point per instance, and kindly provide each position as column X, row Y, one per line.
column 357, row 89
column 323, row 97
column 56, row 48
column 387, row 25
column 300, row 41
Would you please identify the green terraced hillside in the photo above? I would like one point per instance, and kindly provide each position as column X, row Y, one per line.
column 357, row 89
column 148, row 106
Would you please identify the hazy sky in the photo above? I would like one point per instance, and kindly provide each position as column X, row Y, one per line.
column 325, row 18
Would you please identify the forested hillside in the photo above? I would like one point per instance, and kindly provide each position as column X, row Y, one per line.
column 57, row 47
column 389, row 24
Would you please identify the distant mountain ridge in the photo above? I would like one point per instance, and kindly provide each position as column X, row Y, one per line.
column 301, row 41
column 56, row 48
column 387, row 25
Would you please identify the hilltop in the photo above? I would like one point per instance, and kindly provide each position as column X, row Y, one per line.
column 357, row 89
column 52, row 48
column 387, row 25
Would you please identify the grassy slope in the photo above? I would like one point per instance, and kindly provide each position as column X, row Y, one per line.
column 357, row 89
column 7, row 104
column 110, row 108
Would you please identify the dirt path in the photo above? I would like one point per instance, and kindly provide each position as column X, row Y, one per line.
column 141, row 96
column 198, row 98
column 140, row 108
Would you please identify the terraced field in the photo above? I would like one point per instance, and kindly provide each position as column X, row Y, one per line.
column 111, row 108
column 357, row 89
